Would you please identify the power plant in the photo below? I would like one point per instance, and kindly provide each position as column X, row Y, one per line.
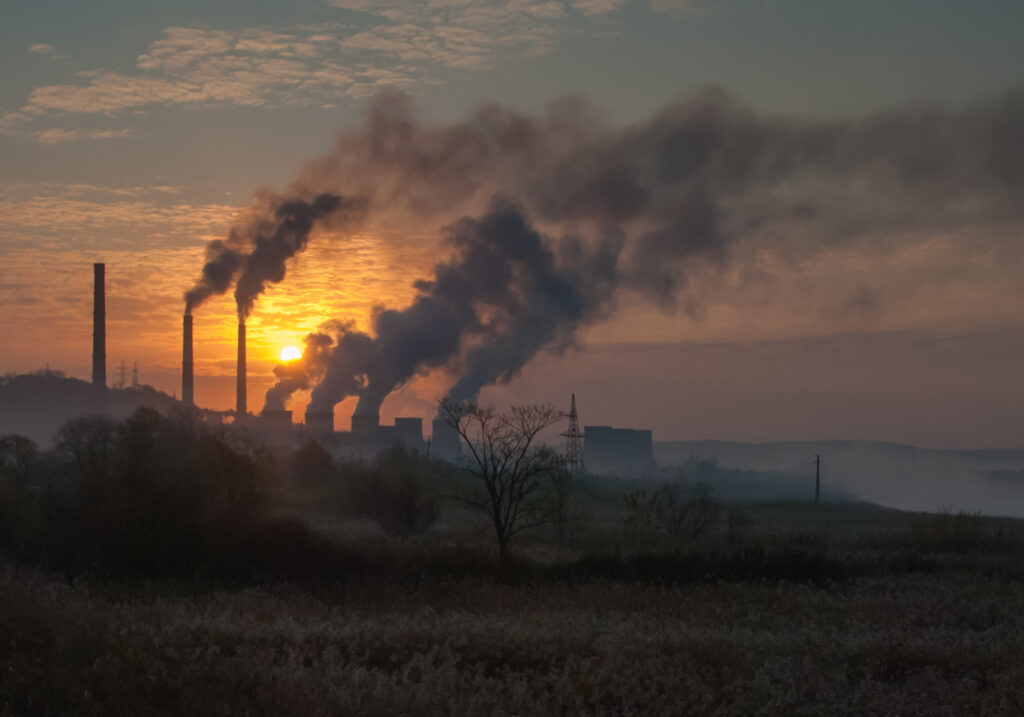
column 603, row 449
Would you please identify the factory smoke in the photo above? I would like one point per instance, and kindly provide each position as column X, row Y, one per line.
column 301, row 374
column 258, row 247
column 593, row 211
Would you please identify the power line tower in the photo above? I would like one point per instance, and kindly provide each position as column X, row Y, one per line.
column 574, row 442
column 122, row 376
column 135, row 374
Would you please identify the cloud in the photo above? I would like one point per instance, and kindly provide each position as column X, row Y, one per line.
column 394, row 44
column 59, row 136
column 598, row 7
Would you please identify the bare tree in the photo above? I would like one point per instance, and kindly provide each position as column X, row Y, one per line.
column 505, row 461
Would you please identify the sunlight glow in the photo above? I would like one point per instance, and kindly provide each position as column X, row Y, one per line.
column 290, row 353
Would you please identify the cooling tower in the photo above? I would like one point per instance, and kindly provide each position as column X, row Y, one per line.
column 365, row 423
column 444, row 441
column 320, row 423
column 240, row 407
column 99, row 329
column 186, row 363
column 279, row 420
column 410, row 431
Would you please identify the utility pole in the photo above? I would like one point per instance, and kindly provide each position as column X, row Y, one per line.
column 817, row 478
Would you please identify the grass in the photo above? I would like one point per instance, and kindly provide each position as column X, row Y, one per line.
column 840, row 609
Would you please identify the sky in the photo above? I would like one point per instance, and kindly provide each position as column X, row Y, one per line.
column 862, row 281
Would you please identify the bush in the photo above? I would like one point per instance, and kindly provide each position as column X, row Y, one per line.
column 960, row 532
column 687, row 511
column 394, row 494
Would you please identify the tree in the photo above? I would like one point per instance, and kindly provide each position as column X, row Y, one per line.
column 689, row 514
column 394, row 493
column 505, row 463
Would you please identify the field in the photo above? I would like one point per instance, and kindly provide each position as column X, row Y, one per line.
column 830, row 609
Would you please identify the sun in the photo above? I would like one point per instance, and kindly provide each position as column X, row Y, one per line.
column 290, row 353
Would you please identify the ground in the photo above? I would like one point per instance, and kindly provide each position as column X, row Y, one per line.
column 887, row 628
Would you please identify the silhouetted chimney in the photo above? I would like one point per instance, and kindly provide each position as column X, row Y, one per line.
column 99, row 329
column 186, row 363
column 240, row 408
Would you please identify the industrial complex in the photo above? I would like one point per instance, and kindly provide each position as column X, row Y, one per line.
column 598, row 449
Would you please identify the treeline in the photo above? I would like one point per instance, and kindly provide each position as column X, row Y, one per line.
column 148, row 495
column 159, row 495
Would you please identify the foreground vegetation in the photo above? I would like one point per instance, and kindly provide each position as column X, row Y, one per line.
column 351, row 589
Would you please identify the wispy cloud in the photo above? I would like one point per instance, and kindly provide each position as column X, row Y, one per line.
column 369, row 45
column 59, row 136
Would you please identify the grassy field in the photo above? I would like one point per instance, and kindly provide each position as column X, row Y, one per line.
column 842, row 609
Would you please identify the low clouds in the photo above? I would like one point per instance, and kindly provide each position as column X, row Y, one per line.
column 41, row 48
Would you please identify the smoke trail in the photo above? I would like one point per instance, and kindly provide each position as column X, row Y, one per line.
column 506, row 292
column 259, row 245
column 642, row 208
column 295, row 218
column 302, row 373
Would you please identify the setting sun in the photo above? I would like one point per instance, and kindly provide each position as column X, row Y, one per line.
column 290, row 353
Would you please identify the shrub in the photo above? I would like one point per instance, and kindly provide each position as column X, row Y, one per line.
column 687, row 512
column 394, row 494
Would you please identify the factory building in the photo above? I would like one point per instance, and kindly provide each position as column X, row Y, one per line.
column 625, row 451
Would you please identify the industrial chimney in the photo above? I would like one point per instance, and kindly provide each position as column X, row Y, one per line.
column 99, row 329
column 240, row 409
column 187, row 397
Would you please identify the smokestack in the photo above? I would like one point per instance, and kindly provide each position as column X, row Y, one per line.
column 99, row 329
column 186, row 363
column 240, row 408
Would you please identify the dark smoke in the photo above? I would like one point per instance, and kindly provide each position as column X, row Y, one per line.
column 507, row 292
column 302, row 373
column 258, row 248
column 295, row 218
column 643, row 208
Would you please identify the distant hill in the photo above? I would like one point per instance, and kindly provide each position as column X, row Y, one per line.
column 891, row 474
column 36, row 405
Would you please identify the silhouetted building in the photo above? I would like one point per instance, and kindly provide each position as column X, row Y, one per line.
column 625, row 451
column 444, row 441
column 319, row 423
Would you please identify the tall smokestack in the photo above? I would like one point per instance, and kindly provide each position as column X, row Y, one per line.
column 240, row 409
column 186, row 363
column 99, row 329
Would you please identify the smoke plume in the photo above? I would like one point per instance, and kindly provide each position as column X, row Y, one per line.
column 595, row 210
column 258, row 247
column 302, row 373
